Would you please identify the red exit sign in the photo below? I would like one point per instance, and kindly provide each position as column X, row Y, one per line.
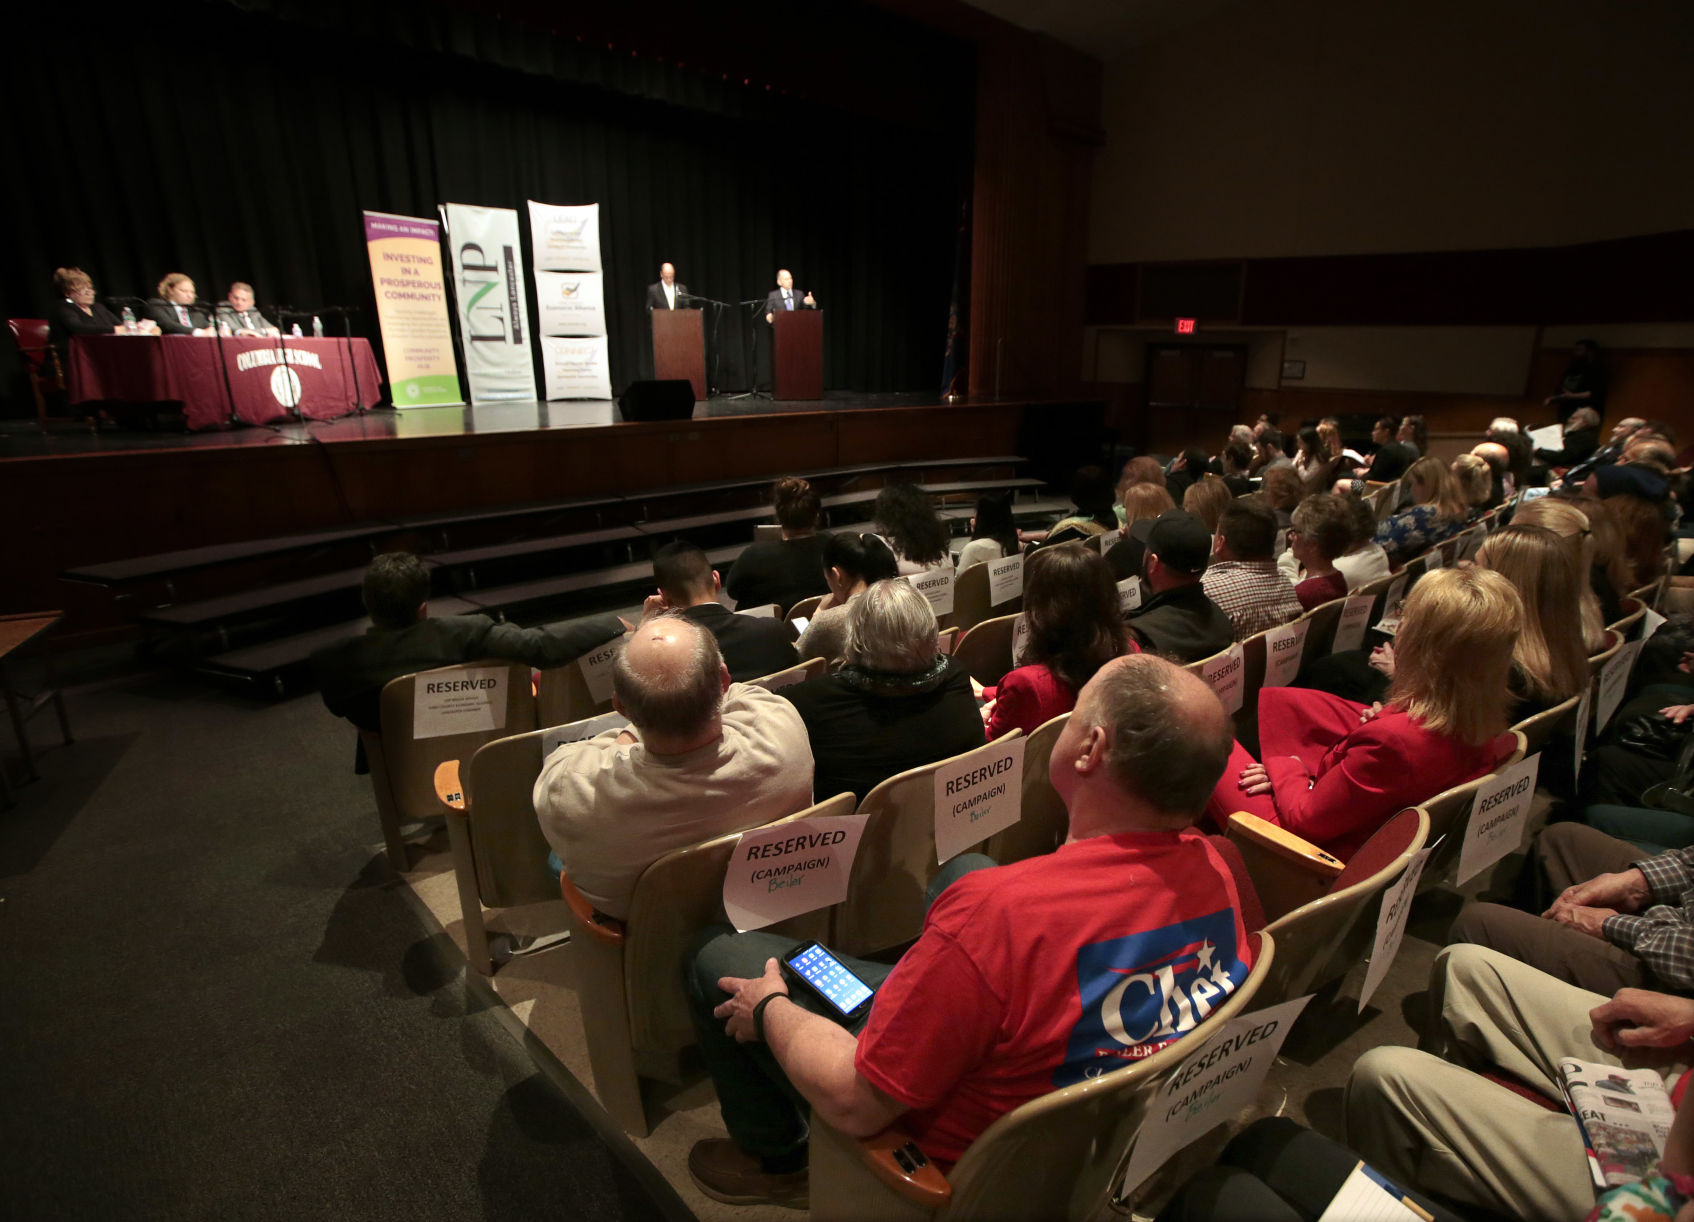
column 1185, row 326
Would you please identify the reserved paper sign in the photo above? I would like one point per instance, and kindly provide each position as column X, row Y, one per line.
column 782, row 871
column 580, row 731
column 1614, row 680
column 937, row 586
column 1284, row 647
column 768, row 611
column 1391, row 925
column 1497, row 817
column 1020, row 639
column 1391, row 602
column 1584, row 714
column 459, row 701
column 597, row 670
column 1129, row 595
column 1005, row 579
column 977, row 795
column 1226, row 675
column 1355, row 618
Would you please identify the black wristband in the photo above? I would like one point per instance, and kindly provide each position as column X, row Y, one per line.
column 759, row 1014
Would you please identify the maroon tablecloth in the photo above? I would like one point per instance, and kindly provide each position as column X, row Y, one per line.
column 326, row 378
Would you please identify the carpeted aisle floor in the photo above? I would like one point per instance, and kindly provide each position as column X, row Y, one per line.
column 211, row 1005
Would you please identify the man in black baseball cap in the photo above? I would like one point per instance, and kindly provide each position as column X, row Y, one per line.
column 1178, row 621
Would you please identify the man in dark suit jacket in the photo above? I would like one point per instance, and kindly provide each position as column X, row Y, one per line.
column 1179, row 621
column 403, row 640
column 175, row 310
column 667, row 294
column 786, row 297
column 752, row 645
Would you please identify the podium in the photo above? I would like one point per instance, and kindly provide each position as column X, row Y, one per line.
column 797, row 355
column 679, row 348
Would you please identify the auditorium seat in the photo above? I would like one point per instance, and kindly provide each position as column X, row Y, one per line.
column 562, row 696
column 1449, row 814
column 896, row 861
column 1059, row 1156
column 1384, row 499
column 1043, row 822
column 986, row 650
column 805, row 608
column 1537, row 729
column 1320, row 635
column 1309, row 906
column 40, row 362
column 629, row 974
column 1633, row 611
column 794, row 674
column 971, row 605
column 403, row 766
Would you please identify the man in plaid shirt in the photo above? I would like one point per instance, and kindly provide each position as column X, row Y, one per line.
column 1620, row 919
column 1243, row 579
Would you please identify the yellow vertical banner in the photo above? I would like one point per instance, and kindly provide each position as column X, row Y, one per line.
column 411, row 306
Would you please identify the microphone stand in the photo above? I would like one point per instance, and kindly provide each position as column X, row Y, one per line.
column 717, row 342
column 755, row 306
column 223, row 363
column 346, row 313
column 282, row 312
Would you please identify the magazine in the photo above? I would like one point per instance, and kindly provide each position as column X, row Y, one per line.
column 1625, row 1117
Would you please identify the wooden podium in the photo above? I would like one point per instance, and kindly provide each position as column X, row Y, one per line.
column 679, row 348
column 797, row 355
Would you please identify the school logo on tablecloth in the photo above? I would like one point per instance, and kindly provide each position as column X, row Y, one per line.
column 285, row 386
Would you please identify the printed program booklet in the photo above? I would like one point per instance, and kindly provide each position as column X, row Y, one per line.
column 1625, row 1116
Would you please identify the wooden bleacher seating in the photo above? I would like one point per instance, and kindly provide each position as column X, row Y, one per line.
column 1059, row 1156
column 629, row 975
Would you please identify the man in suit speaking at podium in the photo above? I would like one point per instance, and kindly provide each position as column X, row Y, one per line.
column 667, row 294
column 786, row 297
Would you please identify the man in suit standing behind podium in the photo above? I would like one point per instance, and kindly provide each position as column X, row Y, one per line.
column 667, row 294
column 786, row 297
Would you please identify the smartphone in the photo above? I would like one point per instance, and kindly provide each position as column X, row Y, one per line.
column 847, row 998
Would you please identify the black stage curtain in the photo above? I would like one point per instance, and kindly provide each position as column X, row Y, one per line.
column 242, row 145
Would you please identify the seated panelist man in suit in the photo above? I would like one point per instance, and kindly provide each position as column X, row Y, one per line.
column 786, row 297
column 176, row 309
column 667, row 294
column 243, row 317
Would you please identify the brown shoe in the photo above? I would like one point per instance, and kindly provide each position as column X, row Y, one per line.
column 724, row 1172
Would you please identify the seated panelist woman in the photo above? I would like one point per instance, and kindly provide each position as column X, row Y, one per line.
column 1334, row 771
column 77, row 313
column 175, row 310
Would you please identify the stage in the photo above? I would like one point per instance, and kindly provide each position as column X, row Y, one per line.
column 26, row 439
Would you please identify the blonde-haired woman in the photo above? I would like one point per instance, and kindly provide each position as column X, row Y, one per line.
column 1571, row 525
column 1551, row 659
column 1437, row 512
column 1474, row 481
column 1333, row 773
column 1206, row 498
column 1141, row 503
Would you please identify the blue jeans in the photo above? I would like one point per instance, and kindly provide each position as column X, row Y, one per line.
column 1651, row 831
column 763, row 1112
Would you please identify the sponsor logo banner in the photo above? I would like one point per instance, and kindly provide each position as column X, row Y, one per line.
column 411, row 309
column 489, row 291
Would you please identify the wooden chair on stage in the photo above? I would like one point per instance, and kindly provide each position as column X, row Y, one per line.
column 41, row 363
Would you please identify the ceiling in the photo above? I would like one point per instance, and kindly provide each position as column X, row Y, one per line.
column 1105, row 29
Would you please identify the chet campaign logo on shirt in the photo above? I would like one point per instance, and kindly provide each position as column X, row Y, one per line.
column 1143, row 991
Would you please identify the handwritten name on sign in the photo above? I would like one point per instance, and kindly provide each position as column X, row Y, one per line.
column 1129, row 595
column 1355, row 618
column 1391, row 925
column 977, row 795
column 1391, row 601
column 1220, row 1077
column 1284, row 647
column 462, row 700
column 937, row 586
column 597, row 670
column 800, row 866
column 1497, row 817
column 579, row 731
column 1226, row 675
column 1005, row 580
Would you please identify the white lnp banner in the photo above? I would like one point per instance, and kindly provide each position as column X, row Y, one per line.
column 576, row 368
column 1005, row 579
column 779, row 872
column 1391, row 925
column 579, row 731
column 459, row 701
column 1219, row 1078
column 977, row 795
column 1226, row 675
column 1129, row 595
column 1355, row 618
column 566, row 237
column 1497, row 816
column 570, row 303
column 488, row 291
column 1284, row 647
column 597, row 670
column 1614, row 678
column 937, row 586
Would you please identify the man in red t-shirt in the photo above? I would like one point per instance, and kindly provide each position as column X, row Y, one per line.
column 1027, row 977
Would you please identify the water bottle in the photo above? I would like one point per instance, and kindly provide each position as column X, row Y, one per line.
column 317, row 327
column 223, row 328
column 129, row 321
column 297, row 332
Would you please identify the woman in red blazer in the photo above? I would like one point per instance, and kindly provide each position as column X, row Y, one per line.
column 1070, row 605
column 1335, row 771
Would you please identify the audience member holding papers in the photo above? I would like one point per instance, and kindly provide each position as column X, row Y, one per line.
column 752, row 645
column 1070, row 604
column 852, row 563
column 1333, row 770
column 895, row 703
column 1000, row 999
column 703, row 756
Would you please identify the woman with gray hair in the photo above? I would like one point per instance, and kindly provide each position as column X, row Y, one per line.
column 895, row 703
